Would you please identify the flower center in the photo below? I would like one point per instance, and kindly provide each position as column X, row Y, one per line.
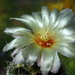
column 44, row 38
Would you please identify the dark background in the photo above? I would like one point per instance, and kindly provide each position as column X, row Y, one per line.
column 15, row 8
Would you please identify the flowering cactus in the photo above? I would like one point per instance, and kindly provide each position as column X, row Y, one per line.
column 48, row 34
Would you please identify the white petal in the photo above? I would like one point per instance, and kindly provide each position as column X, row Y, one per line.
column 23, row 41
column 26, row 51
column 45, row 16
column 16, row 51
column 56, row 63
column 71, row 29
column 64, row 32
column 71, row 38
column 65, row 50
column 46, row 60
column 18, row 58
column 14, row 29
column 7, row 72
column 18, row 43
column 34, row 54
column 71, row 47
column 9, row 46
column 64, row 13
column 53, row 16
column 38, row 19
column 71, row 24
column 18, row 31
column 31, row 19
column 65, row 21
column 28, row 22
column 64, row 38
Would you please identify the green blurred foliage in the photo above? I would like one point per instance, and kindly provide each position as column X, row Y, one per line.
column 15, row 8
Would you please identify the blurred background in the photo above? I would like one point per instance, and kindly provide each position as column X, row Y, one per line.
column 15, row 8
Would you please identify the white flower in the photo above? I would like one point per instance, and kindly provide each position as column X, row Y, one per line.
column 48, row 34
